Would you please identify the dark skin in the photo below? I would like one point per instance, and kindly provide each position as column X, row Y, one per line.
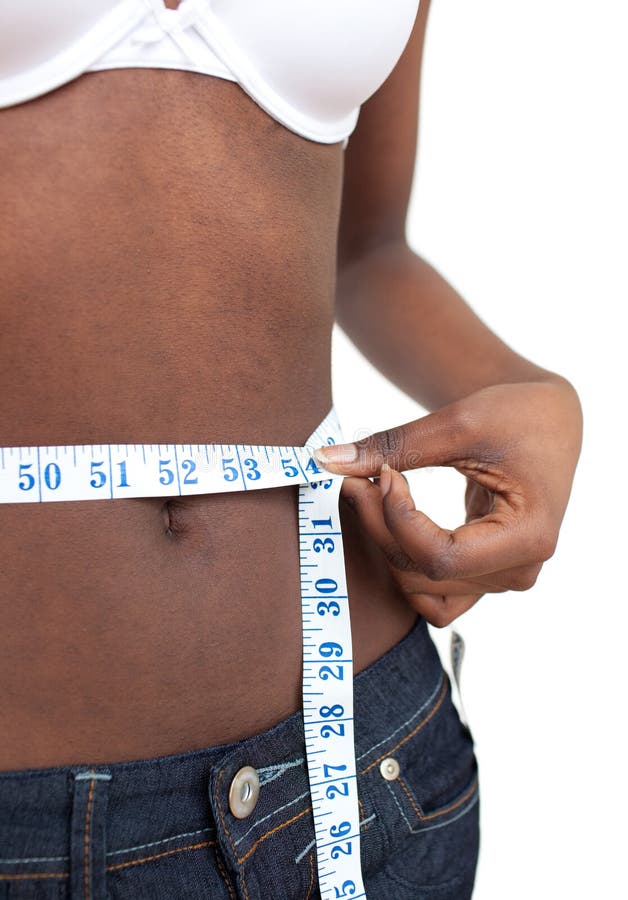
column 159, row 228
column 512, row 428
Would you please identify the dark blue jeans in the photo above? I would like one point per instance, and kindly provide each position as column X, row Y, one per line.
column 163, row 828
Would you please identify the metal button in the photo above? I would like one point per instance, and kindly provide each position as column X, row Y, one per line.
column 389, row 769
column 244, row 792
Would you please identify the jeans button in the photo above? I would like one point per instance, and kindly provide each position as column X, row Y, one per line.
column 244, row 792
column 390, row 769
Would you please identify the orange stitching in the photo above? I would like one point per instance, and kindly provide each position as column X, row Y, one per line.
column 42, row 875
column 272, row 831
column 241, row 859
column 311, row 886
column 223, row 872
column 136, row 862
column 244, row 887
column 465, row 796
column 88, row 814
column 113, row 868
column 439, row 812
column 364, row 825
column 421, row 725
column 222, row 818
column 406, row 791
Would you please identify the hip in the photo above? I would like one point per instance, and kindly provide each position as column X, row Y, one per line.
column 167, row 826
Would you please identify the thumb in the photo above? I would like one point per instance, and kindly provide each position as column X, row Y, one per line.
column 438, row 439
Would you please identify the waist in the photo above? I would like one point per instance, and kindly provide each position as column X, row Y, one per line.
column 119, row 607
column 392, row 696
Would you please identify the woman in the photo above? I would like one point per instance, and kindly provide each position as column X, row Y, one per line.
column 176, row 248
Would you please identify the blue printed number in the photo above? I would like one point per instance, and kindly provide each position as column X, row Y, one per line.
column 337, row 729
column 167, row 475
column 348, row 889
column 326, row 672
column 255, row 473
column 26, row 482
column 291, row 471
column 323, row 544
column 98, row 478
column 332, row 607
column 189, row 467
column 52, row 476
column 336, row 711
column 336, row 850
column 327, row 769
column 312, row 467
column 338, row 831
column 326, row 585
column 325, row 484
column 341, row 789
column 231, row 473
column 123, row 481
column 324, row 523
column 330, row 648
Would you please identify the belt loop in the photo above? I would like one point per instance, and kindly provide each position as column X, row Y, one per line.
column 87, row 835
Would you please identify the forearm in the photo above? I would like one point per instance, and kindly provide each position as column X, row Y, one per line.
column 417, row 330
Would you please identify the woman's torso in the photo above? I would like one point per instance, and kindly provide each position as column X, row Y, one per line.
column 169, row 273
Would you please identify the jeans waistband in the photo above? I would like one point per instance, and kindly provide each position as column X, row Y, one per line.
column 150, row 806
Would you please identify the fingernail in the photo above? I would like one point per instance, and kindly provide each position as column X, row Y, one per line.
column 385, row 479
column 337, row 455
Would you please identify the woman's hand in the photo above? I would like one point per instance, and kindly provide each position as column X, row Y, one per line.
column 518, row 445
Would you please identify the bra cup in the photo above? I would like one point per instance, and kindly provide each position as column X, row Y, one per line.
column 324, row 57
column 33, row 32
column 310, row 64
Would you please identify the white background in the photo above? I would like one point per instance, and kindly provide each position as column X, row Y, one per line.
column 521, row 200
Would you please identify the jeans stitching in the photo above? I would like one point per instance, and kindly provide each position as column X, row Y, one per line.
column 222, row 818
column 463, row 812
column 267, row 834
column 173, row 837
column 112, row 867
column 88, row 816
column 136, row 862
column 304, row 853
column 311, row 885
column 394, row 796
column 423, row 817
column 425, row 706
column 270, row 815
column 414, row 731
column 277, row 770
column 244, row 885
column 28, row 859
column 34, row 875
column 92, row 776
column 241, row 859
column 223, row 872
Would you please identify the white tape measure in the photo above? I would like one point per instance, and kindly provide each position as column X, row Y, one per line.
column 115, row 471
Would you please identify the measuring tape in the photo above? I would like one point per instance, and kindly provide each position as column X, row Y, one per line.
column 116, row 471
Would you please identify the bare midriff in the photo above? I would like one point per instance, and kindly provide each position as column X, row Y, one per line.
column 168, row 276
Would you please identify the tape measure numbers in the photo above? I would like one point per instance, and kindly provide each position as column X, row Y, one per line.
column 116, row 471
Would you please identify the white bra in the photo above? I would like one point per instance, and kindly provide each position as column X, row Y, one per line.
column 309, row 63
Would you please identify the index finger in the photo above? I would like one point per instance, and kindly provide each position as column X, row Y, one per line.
column 500, row 540
column 440, row 438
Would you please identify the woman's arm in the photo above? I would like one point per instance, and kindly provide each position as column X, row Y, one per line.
column 513, row 428
column 398, row 310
